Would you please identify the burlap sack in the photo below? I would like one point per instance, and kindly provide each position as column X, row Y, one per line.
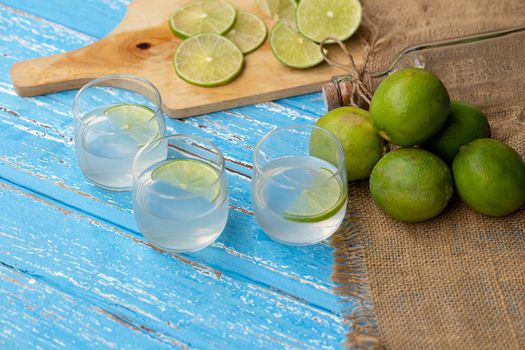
column 458, row 281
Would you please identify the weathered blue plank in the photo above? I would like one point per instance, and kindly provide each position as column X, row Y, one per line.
column 44, row 154
column 243, row 249
column 99, row 266
column 38, row 315
column 311, row 103
column 95, row 17
column 43, row 151
column 64, row 172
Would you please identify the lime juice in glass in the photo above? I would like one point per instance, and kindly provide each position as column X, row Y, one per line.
column 114, row 117
column 180, row 194
column 299, row 190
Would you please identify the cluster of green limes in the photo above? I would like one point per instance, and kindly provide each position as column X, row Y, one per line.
column 443, row 145
column 216, row 38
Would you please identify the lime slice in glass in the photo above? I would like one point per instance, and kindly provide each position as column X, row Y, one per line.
column 203, row 16
column 320, row 201
column 190, row 175
column 248, row 33
column 208, row 60
column 293, row 49
column 279, row 10
column 135, row 120
column 320, row 19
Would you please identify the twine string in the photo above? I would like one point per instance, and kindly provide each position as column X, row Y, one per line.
column 359, row 79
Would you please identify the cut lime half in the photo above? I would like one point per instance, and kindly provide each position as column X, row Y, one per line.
column 136, row 120
column 320, row 201
column 320, row 19
column 190, row 175
column 208, row 60
column 292, row 49
column 248, row 33
column 203, row 16
column 279, row 10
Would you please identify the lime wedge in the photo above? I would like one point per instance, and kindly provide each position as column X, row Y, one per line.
column 136, row 120
column 248, row 33
column 279, row 10
column 191, row 175
column 293, row 49
column 320, row 19
column 319, row 201
column 203, row 16
column 208, row 60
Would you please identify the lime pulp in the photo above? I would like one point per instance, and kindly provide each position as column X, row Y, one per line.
column 248, row 33
column 190, row 175
column 320, row 201
column 320, row 19
column 279, row 10
column 292, row 49
column 202, row 16
column 208, row 60
column 136, row 120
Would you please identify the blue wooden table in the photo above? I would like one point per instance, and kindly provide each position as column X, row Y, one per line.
column 74, row 270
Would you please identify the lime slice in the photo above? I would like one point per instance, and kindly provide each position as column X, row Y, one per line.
column 279, row 10
column 320, row 19
column 320, row 201
column 248, row 33
column 293, row 49
column 208, row 60
column 203, row 16
column 191, row 175
column 136, row 120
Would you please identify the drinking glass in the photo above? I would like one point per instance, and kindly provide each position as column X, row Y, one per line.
column 299, row 189
column 115, row 116
column 180, row 193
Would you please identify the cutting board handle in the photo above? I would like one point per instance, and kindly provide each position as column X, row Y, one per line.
column 54, row 73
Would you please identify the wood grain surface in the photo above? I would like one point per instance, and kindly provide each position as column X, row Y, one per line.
column 74, row 270
column 146, row 22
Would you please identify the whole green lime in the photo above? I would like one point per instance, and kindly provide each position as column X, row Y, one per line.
column 411, row 184
column 464, row 124
column 409, row 107
column 490, row 177
column 361, row 144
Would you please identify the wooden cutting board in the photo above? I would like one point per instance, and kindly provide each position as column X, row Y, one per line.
column 143, row 45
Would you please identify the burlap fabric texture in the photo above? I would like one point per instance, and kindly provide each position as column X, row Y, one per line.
column 458, row 281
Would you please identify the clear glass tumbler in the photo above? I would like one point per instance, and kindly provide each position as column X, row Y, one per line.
column 299, row 189
column 115, row 116
column 180, row 192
